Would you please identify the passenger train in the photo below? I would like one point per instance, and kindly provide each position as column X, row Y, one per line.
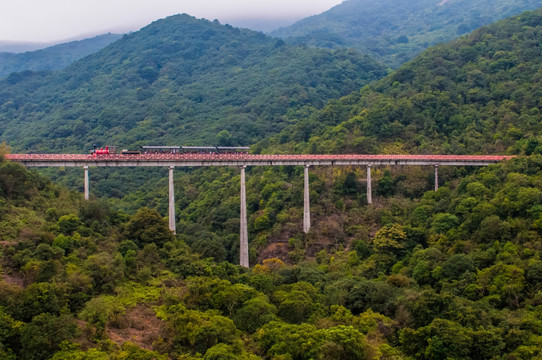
column 161, row 149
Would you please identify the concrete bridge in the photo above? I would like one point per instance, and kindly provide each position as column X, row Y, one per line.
column 241, row 160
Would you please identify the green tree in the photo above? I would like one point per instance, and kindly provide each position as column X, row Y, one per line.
column 68, row 224
column 289, row 340
column 375, row 295
column 390, row 239
column 198, row 331
column 456, row 266
column 442, row 339
column 40, row 298
column 148, row 226
column 505, row 281
column 254, row 313
column 42, row 337
column 343, row 342
column 232, row 297
column 10, row 336
column 296, row 302
column 443, row 222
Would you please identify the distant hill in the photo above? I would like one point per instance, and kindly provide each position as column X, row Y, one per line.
column 394, row 31
column 477, row 94
column 179, row 80
column 54, row 57
column 21, row 46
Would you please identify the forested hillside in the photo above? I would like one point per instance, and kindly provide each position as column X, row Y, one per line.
column 54, row 57
column 478, row 94
column 394, row 31
column 419, row 274
column 454, row 275
column 178, row 81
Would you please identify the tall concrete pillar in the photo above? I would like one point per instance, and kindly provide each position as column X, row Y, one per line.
column 436, row 177
column 87, row 191
column 171, row 201
column 369, row 186
column 243, row 236
column 307, row 204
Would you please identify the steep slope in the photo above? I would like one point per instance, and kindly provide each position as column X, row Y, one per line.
column 478, row 94
column 177, row 81
column 54, row 57
column 454, row 273
column 394, row 31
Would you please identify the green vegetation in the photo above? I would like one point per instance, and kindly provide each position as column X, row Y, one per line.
column 177, row 81
column 454, row 274
column 478, row 94
column 54, row 57
column 420, row 274
column 395, row 31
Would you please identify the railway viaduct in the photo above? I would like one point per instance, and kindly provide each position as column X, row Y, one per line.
column 241, row 160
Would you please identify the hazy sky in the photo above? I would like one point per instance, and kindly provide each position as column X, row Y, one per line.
column 54, row 20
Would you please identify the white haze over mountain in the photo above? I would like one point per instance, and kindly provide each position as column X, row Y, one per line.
column 55, row 21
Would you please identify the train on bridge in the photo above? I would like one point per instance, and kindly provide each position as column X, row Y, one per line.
column 163, row 149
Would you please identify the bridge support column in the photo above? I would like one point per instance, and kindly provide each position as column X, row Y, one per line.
column 436, row 177
column 171, row 201
column 307, row 204
column 369, row 186
column 87, row 191
column 243, row 236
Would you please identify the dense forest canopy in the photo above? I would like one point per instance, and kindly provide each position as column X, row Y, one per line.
column 53, row 57
column 453, row 274
column 478, row 94
column 394, row 31
column 420, row 274
column 178, row 81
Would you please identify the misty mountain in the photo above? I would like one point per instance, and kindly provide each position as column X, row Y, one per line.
column 394, row 31
column 21, row 46
column 177, row 81
column 53, row 57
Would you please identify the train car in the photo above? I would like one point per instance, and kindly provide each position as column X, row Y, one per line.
column 215, row 149
column 130, row 152
column 240, row 149
column 165, row 149
column 152, row 149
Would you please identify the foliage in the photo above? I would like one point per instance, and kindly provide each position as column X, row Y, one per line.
column 146, row 227
column 198, row 331
column 162, row 83
column 395, row 31
column 453, row 273
column 42, row 337
column 435, row 279
column 477, row 94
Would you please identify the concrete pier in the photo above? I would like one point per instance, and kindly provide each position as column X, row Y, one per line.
column 436, row 177
column 243, row 236
column 171, row 201
column 87, row 190
column 307, row 204
column 369, row 186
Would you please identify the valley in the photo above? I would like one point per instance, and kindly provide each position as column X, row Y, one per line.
column 381, row 256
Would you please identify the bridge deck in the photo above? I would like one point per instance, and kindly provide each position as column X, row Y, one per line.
column 217, row 159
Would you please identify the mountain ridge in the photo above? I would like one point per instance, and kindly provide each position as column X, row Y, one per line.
column 476, row 94
column 394, row 31
column 55, row 57
column 242, row 81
